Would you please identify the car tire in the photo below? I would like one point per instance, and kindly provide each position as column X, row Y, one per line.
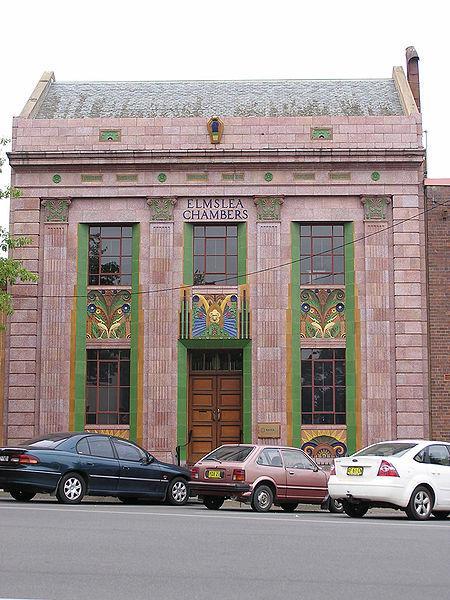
column 213, row 502
column 129, row 500
column 420, row 504
column 289, row 506
column 178, row 492
column 22, row 496
column 440, row 515
column 262, row 498
column 335, row 506
column 356, row 511
column 71, row 489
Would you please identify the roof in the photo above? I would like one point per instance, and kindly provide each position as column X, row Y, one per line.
column 249, row 98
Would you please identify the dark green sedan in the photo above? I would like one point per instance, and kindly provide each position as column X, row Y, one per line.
column 71, row 465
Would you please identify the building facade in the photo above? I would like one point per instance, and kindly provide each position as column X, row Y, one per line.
column 437, row 192
column 221, row 262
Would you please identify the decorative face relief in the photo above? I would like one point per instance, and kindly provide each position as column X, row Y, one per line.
column 215, row 316
column 108, row 314
column 322, row 313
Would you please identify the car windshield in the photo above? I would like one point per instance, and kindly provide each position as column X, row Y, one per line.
column 49, row 442
column 387, row 449
column 230, row 454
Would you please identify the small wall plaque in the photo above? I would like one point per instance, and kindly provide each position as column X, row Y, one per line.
column 321, row 133
column 109, row 135
column 269, row 431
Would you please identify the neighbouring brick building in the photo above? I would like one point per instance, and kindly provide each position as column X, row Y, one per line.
column 221, row 261
column 437, row 193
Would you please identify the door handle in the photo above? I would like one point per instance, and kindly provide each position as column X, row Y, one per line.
column 125, row 468
column 91, row 464
column 435, row 473
column 218, row 414
column 291, row 472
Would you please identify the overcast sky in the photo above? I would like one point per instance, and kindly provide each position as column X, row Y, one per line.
column 231, row 39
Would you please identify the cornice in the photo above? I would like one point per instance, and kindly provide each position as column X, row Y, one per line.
column 180, row 158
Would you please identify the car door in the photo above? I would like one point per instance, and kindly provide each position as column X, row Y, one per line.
column 140, row 474
column 438, row 466
column 99, row 462
column 304, row 481
column 270, row 464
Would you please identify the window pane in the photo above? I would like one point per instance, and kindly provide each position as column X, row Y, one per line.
column 322, row 245
column 126, row 265
column 199, row 246
column 231, row 265
column 306, row 372
column 215, row 264
column 83, row 447
column 127, row 232
column 100, row 446
column 322, row 230
column 91, row 372
column 340, row 399
column 124, row 373
column 215, row 231
column 215, row 246
column 339, row 372
column 94, row 230
column 126, row 451
column 232, row 230
column 307, row 400
column 110, row 280
column 318, row 397
column 319, row 373
column 110, row 264
column 325, row 353
column 199, row 231
column 93, row 280
column 110, row 247
column 107, row 399
column 126, row 247
column 295, row 459
column 305, row 245
column 110, row 231
column 270, row 458
column 91, row 399
column 307, row 419
column 328, row 373
column 328, row 399
column 108, row 354
column 231, row 246
column 323, row 419
column 338, row 230
column 305, row 230
column 322, row 264
column 338, row 264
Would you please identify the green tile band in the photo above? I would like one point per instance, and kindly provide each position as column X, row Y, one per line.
column 295, row 332
column 134, row 344
column 350, row 358
column 80, row 335
column 242, row 253
column 188, row 254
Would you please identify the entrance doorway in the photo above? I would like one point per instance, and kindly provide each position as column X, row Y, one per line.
column 215, row 401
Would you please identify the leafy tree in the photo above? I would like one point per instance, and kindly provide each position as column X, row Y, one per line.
column 11, row 270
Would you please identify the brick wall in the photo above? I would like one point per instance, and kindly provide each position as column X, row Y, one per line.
column 438, row 246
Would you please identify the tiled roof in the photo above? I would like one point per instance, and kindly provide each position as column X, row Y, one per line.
column 66, row 100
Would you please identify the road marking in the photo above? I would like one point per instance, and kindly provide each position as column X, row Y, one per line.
column 279, row 519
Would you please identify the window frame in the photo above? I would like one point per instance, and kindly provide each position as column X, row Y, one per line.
column 225, row 277
column 123, row 277
column 123, row 417
column 310, row 277
column 313, row 386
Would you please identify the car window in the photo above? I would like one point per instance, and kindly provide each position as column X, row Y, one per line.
column 270, row 457
column 83, row 446
column 48, row 443
column 295, row 459
column 386, row 449
column 230, row 453
column 101, row 446
column 438, row 454
column 420, row 457
column 126, row 451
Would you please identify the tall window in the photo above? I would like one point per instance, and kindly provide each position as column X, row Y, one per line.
column 110, row 254
column 321, row 254
column 215, row 254
column 323, row 386
column 108, row 387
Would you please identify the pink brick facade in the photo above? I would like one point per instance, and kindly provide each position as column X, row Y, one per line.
column 316, row 180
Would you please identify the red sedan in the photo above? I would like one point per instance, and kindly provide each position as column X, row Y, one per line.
column 261, row 476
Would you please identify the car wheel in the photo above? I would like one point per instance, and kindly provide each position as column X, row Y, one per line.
column 335, row 506
column 420, row 504
column 356, row 511
column 440, row 515
column 71, row 489
column 21, row 496
column 178, row 493
column 289, row 506
column 129, row 500
column 213, row 502
column 262, row 499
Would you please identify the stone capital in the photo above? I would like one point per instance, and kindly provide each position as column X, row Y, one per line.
column 268, row 208
column 162, row 208
column 375, row 207
column 56, row 210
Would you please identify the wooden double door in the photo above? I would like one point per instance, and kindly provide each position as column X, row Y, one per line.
column 215, row 401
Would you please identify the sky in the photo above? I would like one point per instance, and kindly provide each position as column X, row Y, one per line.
column 232, row 39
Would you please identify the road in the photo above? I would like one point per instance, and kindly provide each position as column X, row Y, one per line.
column 101, row 550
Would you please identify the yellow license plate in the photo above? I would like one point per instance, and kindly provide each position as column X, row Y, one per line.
column 355, row 470
column 212, row 474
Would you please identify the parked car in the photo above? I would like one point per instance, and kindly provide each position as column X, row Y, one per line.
column 412, row 475
column 71, row 465
column 261, row 476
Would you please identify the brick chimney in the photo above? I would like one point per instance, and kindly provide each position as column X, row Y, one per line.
column 412, row 73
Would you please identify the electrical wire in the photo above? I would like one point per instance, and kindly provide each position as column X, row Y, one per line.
column 258, row 271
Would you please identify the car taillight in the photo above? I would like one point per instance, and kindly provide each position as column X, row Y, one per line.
column 24, row 459
column 238, row 475
column 387, row 470
column 195, row 472
column 333, row 470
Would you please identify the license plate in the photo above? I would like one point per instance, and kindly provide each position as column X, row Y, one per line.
column 213, row 474
column 355, row 470
column 4, row 458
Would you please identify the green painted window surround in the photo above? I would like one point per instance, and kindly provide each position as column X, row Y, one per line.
column 80, row 335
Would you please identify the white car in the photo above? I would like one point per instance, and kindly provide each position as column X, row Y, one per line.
column 412, row 475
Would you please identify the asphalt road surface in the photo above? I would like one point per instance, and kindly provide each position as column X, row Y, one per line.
column 101, row 550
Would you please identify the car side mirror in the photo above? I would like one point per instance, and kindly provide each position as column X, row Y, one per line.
column 315, row 469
